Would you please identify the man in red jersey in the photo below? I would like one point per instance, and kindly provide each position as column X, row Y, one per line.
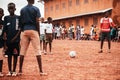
column 105, row 24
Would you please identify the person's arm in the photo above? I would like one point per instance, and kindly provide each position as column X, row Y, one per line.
column 38, row 20
column 5, row 39
column 15, row 37
column 38, row 26
column 111, row 23
column 18, row 33
column 101, row 24
column 4, row 33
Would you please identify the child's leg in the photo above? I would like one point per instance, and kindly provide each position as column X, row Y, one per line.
column 40, row 44
column 1, row 59
column 39, row 62
column 46, row 46
column 1, row 64
column 50, row 46
column 15, row 63
column 10, row 63
column 21, row 63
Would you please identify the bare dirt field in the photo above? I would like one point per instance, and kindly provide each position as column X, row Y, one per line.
column 87, row 65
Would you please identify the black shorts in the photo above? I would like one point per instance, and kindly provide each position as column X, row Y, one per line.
column 49, row 37
column 105, row 35
column 13, row 49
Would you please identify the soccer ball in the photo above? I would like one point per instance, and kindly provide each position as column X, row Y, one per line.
column 72, row 54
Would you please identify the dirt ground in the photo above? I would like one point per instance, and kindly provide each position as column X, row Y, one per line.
column 87, row 65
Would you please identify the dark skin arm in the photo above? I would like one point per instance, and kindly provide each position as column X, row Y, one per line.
column 5, row 38
column 38, row 26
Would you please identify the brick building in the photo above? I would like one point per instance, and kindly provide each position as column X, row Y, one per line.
column 77, row 12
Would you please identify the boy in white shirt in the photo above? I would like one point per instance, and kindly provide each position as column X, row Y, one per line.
column 42, row 35
column 49, row 31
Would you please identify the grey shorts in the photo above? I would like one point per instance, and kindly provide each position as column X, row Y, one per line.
column 42, row 37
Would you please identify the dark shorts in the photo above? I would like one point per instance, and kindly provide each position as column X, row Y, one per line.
column 105, row 35
column 49, row 37
column 13, row 49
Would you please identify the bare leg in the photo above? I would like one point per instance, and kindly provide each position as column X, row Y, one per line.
column 15, row 63
column 39, row 60
column 21, row 63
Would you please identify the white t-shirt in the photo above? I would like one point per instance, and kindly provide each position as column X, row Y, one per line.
column 110, row 20
column 42, row 28
column 49, row 28
column 82, row 30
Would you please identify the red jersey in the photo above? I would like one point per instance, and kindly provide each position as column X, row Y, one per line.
column 105, row 24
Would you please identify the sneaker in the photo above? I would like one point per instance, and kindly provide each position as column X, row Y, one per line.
column 1, row 74
column 9, row 74
column 14, row 74
column 100, row 51
column 43, row 74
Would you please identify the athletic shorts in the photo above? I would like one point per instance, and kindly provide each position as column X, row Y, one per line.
column 13, row 49
column 105, row 35
column 49, row 37
column 42, row 37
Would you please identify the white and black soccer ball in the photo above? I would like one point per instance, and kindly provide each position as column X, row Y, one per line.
column 72, row 54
